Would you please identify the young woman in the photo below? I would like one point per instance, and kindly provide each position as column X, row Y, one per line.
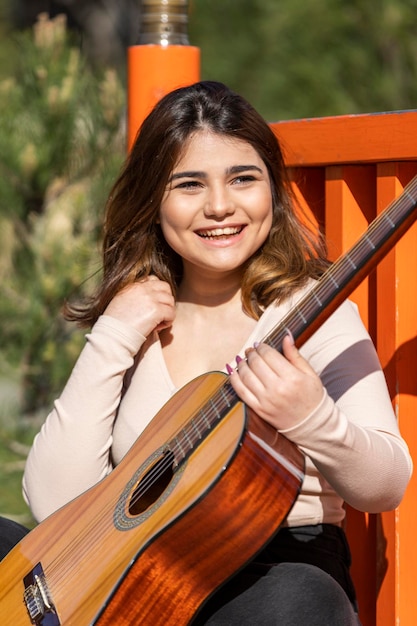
column 203, row 254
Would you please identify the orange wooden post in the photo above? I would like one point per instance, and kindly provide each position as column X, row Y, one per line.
column 350, row 206
column 347, row 169
column 397, row 347
column 350, row 203
column 162, row 61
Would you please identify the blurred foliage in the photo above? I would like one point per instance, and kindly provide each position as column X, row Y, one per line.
column 61, row 143
column 301, row 58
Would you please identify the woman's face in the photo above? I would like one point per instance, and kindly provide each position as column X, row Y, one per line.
column 217, row 207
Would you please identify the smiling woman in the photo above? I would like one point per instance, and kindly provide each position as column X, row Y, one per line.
column 204, row 253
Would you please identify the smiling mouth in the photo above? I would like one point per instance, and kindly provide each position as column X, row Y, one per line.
column 220, row 233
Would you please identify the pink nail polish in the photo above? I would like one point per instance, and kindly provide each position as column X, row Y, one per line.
column 229, row 368
column 238, row 359
column 289, row 333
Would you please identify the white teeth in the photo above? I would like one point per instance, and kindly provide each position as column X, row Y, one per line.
column 219, row 232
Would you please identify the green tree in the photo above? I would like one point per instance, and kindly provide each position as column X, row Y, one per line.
column 300, row 58
column 61, row 142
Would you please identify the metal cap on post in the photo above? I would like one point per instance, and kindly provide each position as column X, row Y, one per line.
column 164, row 22
column 162, row 61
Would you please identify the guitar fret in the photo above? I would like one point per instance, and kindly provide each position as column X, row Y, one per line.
column 407, row 194
column 205, row 419
column 348, row 258
column 388, row 219
column 179, row 446
column 194, row 425
column 223, row 392
column 316, row 298
column 300, row 314
column 215, row 409
column 334, row 281
column 369, row 240
column 188, row 438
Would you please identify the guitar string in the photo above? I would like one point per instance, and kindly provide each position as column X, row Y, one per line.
column 65, row 582
column 200, row 417
column 92, row 530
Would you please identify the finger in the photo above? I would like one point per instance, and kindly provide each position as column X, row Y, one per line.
column 283, row 364
column 253, row 377
column 150, row 291
column 267, row 361
column 243, row 391
column 263, row 368
column 153, row 282
column 292, row 354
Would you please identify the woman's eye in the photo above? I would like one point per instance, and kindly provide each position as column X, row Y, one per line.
column 188, row 184
column 244, row 178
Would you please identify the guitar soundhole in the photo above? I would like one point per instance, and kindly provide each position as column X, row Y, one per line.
column 152, row 484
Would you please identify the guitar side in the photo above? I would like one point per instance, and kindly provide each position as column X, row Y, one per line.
column 104, row 561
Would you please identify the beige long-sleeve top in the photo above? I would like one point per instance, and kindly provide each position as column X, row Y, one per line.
column 354, row 451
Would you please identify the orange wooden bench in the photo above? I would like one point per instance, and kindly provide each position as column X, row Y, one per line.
column 346, row 170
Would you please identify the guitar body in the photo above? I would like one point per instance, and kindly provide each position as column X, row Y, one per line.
column 124, row 554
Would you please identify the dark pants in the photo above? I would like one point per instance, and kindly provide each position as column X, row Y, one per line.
column 10, row 534
column 300, row 579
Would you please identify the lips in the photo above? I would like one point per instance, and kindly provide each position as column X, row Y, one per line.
column 219, row 233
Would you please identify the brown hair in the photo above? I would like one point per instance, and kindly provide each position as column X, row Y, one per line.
column 133, row 244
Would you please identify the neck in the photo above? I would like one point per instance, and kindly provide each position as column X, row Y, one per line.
column 210, row 290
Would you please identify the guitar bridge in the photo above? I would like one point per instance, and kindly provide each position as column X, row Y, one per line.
column 38, row 600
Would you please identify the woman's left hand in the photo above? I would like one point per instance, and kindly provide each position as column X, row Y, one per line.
column 283, row 389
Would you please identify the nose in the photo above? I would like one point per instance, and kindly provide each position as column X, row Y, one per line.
column 219, row 202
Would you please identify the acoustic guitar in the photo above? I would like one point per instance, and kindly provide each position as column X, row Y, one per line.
column 199, row 494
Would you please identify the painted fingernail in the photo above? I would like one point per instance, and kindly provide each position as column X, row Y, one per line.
column 238, row 359
column 290, row 335
column 229, row 368
column 256, row 344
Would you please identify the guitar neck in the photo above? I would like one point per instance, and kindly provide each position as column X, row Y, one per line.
column 338, row 282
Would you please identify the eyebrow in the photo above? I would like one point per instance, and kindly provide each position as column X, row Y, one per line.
column 234, row 169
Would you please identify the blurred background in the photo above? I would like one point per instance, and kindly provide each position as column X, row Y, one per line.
column 62, row 141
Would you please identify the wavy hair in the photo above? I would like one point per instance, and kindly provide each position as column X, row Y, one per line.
column 133, row 244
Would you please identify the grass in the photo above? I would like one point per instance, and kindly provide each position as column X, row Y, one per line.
column 16, row 436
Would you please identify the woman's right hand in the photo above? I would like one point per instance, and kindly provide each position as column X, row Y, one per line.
column 145, row 305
